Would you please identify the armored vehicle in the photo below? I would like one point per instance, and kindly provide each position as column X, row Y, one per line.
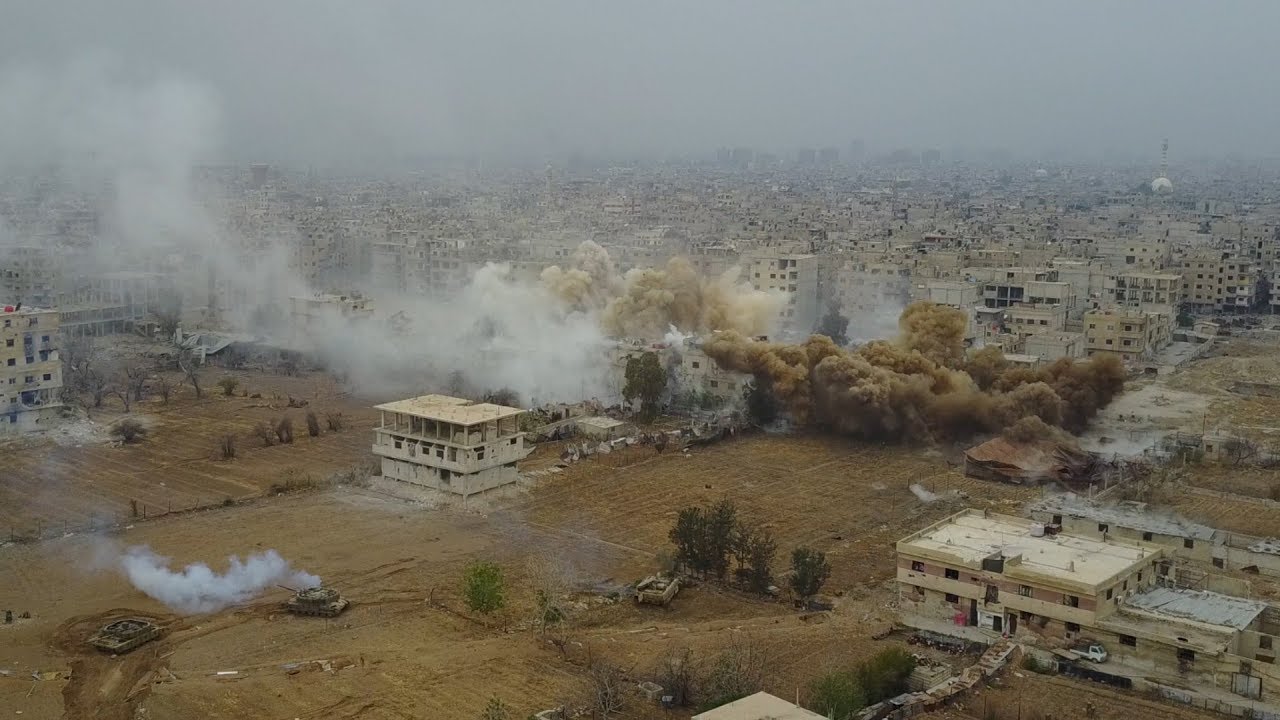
column 657, row 590
column 317, row 601
column 122, row 636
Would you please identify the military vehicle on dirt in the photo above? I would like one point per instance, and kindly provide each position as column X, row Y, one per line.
column 317, row 602
column 124, row 635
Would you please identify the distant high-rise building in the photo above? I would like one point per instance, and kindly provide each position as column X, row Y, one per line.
column 930, row 157
column 857, row 151
column 829, row 156
column 258, row 174
column 806, row 156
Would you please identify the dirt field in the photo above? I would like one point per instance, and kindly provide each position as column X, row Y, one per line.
column 1021, row 695
column 406, row 648
column 54, row 485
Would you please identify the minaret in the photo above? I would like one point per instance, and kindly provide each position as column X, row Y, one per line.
column 1164, row 159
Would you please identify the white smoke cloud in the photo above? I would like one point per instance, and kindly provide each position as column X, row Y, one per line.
column 197, row 589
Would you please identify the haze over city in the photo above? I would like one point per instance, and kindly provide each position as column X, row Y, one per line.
column 649, row 361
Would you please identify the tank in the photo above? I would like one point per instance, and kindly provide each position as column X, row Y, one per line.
column 657, row 590
column 122, row 636
column 317, row 601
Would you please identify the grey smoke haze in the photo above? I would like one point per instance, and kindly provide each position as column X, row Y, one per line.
column 321, row 81
column 198, row 589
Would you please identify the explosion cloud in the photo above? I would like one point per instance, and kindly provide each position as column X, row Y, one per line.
column 923, row 386
column 198, row 589
column 647, row 302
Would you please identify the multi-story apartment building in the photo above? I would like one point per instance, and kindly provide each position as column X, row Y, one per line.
column 1026, row 319
column 324, row 313
column 1144, row 290
column 31, row 274
column 1216, row 281
column 992, row 571
column 869, row 287
column 1051, row 346
column 1131, row 334
column 795, row 275
column 1048, row 585
column 30, row 369
column 449, row 444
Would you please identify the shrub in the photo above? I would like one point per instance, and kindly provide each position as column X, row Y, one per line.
column 128, row 431
column 483, row 587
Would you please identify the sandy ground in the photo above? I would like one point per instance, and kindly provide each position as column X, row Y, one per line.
column 75, row 480
column 407, row 647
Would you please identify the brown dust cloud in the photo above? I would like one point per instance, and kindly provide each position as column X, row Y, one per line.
column 923, row 386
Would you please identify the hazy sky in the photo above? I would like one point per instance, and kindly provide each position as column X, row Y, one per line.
column 326, row 81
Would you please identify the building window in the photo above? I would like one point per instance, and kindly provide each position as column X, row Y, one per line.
column 1103, row 527
column 1129, row 640
column 1185, row 655
column 1188, row 543
column 951, row 574
column 399, row 445
column 1264, row 642
column 917, row 566
column 952, row 598
column 1073, row 627
column 48, row 376
column 12, row 362
column 1109, row 591
column 1217, row 562
column 9, row 342
column 1057, row 519
column 1146, row 536
column 1024, row 590
column 1071, row 601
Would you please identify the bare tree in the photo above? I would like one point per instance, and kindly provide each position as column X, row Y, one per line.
column 135, row 381
column 228, row 447
column 228, row 385
column 190, row 367
column 164, row 388
column 608, row 689
column 335, row 421
column 125, row 398
column 550, row 581
column 1239, row 450
column 96, row 384
column 738, row 671
column 675, row 673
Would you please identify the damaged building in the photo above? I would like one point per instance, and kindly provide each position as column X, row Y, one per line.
column 30, row 368
column 1032, row 462
column 1004, row 575
column 450, row 444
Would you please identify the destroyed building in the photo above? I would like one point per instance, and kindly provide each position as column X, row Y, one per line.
column 30, row 369
column 449, row 444
column 1032, row 462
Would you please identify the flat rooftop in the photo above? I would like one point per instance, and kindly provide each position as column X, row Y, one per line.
column 445, row 408
column 1201, row 606
column 970, row 537
column 1127, row 514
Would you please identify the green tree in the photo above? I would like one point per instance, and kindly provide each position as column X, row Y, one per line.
column 762, row 406
column 885, row 675
column 646, row 380
column 837, row 695
column 809, row 570
column 760, row 553
column 834, row 325
column 705, row 538
column 483, row 587
column 496, row 710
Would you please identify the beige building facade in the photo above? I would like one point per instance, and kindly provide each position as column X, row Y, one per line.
column 30, row 368
column 449, row 444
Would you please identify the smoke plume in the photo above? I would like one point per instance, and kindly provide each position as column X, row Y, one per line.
column 648, row 302
column 198, row 589
column 920, row 387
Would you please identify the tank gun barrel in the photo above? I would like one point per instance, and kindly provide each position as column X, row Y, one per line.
column 286, row 587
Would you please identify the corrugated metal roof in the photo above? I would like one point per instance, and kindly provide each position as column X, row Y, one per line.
column 1198, row 605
